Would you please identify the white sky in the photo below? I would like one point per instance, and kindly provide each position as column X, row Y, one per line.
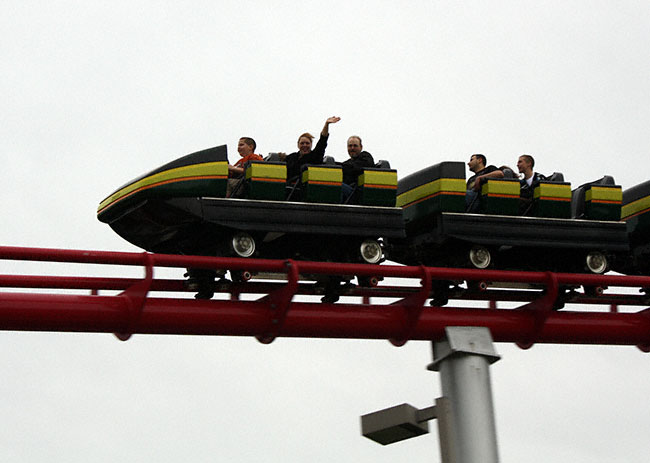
column 97, row 93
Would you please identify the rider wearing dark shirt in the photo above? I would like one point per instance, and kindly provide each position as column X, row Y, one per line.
column 305, row 155
column 477, row 165
column 359, row 160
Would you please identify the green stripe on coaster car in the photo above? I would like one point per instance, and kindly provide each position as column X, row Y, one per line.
column 321, row 192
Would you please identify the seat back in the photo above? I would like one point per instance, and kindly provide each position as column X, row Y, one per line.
column 597, row 200
column 499, row 196
column 377, row 187
column 321, row 183
column 430, row 191
column 266, row 180
column 552, row 197
column 273, row 157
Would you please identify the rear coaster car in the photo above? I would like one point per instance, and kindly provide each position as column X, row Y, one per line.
column 635, row 212
column 440, row 234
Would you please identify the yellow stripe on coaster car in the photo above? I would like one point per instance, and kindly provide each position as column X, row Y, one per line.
column 106, row 204
column 378, row 178
column 218, row 170
column 455, row 186
column 103, row 205
column 258, row 170
column 635, row 207
column 322, row 174
column 549, row 190
column 500, row 187
column 440, row 193
column 603, row 193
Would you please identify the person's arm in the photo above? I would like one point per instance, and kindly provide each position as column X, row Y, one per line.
column 317, row 154
column 240, row 166
column 234, row 171
column 326, row 128
column 494, row 174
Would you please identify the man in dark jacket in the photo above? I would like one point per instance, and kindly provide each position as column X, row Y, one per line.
column 477, row 164
column 359, row 159
column 354, row 166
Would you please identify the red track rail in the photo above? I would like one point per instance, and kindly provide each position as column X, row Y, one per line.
column 276, row 313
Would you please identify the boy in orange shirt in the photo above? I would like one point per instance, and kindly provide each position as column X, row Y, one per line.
column 246, row 149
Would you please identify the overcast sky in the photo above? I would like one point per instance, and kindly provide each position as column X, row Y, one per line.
column 95, row 94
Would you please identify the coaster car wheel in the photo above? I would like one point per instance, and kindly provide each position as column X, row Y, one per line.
column 243, row 244
column 480, row 257
column 371, row 251
column 596, row 262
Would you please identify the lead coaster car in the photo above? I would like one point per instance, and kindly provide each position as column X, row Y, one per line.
column 181, row 208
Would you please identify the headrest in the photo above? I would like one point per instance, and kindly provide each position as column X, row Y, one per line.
column 273, row 157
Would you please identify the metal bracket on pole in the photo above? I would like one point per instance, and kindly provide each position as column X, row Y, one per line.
column 404, row 421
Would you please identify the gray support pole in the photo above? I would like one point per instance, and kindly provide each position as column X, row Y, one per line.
column 463, row 360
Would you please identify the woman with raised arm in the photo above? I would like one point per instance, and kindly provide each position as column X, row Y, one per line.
column 305, row 155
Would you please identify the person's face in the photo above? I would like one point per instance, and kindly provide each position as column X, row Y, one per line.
column 304, row 145
column 354, row 147
column 474, row 163
column 244, row 149
column 522, row 164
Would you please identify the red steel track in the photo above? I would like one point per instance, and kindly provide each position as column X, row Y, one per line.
column 611, row 309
